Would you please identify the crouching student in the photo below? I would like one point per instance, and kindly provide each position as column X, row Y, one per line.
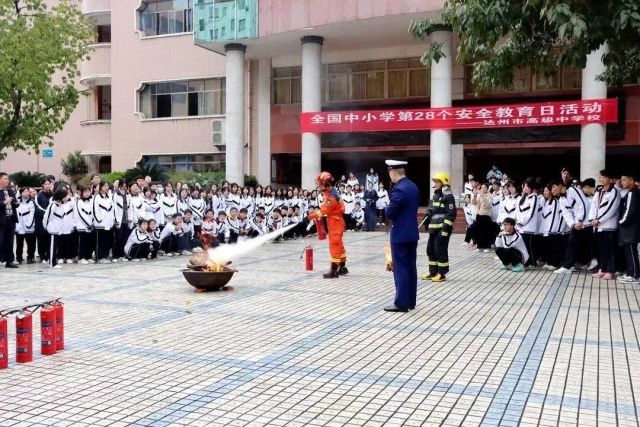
column 172, row 237
column 209, row 231
column 192, row 242
column 511, row 248
column 139, row 244
column 53, row 222
column 258, row 226
column 154, row 233
column 357, row 218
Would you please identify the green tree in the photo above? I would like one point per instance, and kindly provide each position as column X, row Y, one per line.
column 500, row 36
column 40, row 51
column 74, row 166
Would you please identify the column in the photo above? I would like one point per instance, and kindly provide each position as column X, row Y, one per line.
column 235, row 75
column 441, row 93
column 264, row 121
column 311, row 102
column 593, row 137
column 457, row 169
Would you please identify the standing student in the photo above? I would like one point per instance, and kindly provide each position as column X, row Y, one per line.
column 121, row 200
column 42, row 236
column 183, row 201
column 484, row 228
column 372, row 179
column 197, row 206
column 629, row 228
column 553, row 231
column 603, row 217
column 25, row 228
column 348, row 199
column 470, row 219
column 84, row 225
column 527, row 218
column 104, row 222
column 370, row 199
column 169, row 203
column 53, row 222
column 68, row 248
column 382, row 203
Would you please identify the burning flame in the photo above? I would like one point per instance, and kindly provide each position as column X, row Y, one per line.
column 213, row 266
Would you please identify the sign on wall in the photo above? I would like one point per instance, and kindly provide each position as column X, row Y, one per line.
column 561, row 113
column 47, row 153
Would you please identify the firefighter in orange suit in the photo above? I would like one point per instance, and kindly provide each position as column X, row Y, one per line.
column 332, row 208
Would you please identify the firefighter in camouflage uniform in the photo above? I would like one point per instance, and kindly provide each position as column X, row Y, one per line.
column 440, row 216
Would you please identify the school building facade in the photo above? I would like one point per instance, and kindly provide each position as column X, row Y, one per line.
column 205, row 84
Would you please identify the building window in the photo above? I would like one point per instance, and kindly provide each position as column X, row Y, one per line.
column 183, row 98
column 524, row 80
column 395, row 78
column 103, row 34
column 104, row 102
column 166, row 17
column 204, row 162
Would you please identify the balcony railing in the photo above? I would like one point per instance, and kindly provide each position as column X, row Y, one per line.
column 93, row 7
column 220, row 21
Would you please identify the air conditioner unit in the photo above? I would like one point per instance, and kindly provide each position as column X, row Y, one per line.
column 219, row 134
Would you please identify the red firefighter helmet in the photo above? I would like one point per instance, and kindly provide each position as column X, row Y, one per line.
column 325, row 179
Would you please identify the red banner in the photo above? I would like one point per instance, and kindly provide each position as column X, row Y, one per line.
column 562, row 113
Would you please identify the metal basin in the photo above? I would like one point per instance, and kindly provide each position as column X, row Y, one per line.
column 208, row 280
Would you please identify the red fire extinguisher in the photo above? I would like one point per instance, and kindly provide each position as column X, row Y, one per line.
column 48, row 330
column 322, row 231
column 24, row 336
column 59, row 308
column 308, row 253
column 4, row 343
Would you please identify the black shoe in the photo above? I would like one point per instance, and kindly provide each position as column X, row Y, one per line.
column 343, row 271
column 9, row 265
column 393, row 309
column 31, row 261
column 331, row 275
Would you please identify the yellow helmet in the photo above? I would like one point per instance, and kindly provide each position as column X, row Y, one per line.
column 442, row 177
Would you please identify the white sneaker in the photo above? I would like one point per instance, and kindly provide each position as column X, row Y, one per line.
column 168, row 254
column 83, row 262
column 69, row 261
column 197, row 250
column 136, row 260
column 114, row 260
column 92, row 261
column 104, row 261
column 175, row 253
column 562, row 270
column 122, row 259
column 549, row 267
column 486, row 251
column 593, row 264
column 57, row 267
column 185, row 253
column 45, row 261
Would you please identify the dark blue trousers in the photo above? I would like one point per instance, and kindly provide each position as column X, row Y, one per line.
column 405, row 273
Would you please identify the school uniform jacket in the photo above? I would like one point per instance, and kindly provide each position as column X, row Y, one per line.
column 136, row 210
column 210, row 228
column 233, row 201
column 222, row 229
column 137, row 237
column 84, row 214
column 604, row 208
column 104, row 214
column 469, row 214
column 53, row 220
column 527, row 214
column 383, row 199
column 248, row 203
column 574, row 206
column 217, row 205
column 551, row 220
column 170, row 230
column 26, row 213
column 259, row 228
column 268, row 202
column 198, row 207
column 513, row 241
column 182, row 205
column 169, row 205
column 496, row 203
column 358, row 216
column 508, row 208
column 119, row 201
column 69, row 221
column 349, row 202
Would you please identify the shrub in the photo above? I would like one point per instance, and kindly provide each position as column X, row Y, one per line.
column 74, row 166
column 27, row 179
column 250, row 181
column 156, row 172
column 112, row 176
column 205, row 179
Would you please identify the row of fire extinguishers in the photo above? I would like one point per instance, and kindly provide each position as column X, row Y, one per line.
column 308, row 251
column 51, row 331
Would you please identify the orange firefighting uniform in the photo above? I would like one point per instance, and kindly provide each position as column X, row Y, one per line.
column 333, row 208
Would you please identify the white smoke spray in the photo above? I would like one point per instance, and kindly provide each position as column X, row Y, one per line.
column 225, row 253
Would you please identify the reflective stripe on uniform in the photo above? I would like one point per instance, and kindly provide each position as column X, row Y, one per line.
column 448, row 222
column 433, row 263
column 443, row 264
column 445, row 234
column 435, row 225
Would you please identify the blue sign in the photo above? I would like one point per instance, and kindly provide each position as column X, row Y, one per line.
column 47, row 153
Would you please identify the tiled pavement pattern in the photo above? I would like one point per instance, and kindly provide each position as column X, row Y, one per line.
column 285, row 347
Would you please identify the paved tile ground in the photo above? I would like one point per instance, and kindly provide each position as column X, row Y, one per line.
column 285, row 347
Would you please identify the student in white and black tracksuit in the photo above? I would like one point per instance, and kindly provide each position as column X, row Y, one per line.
column 603, row 216
column 510, row 247
column 139, row 244
column 104, row 222
column 84, row 226
column 629, row 228
column 53, row 222
column 553, row 230
column 68, row 249
column 574, row 207
column 527, row 218
column 25, row 228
